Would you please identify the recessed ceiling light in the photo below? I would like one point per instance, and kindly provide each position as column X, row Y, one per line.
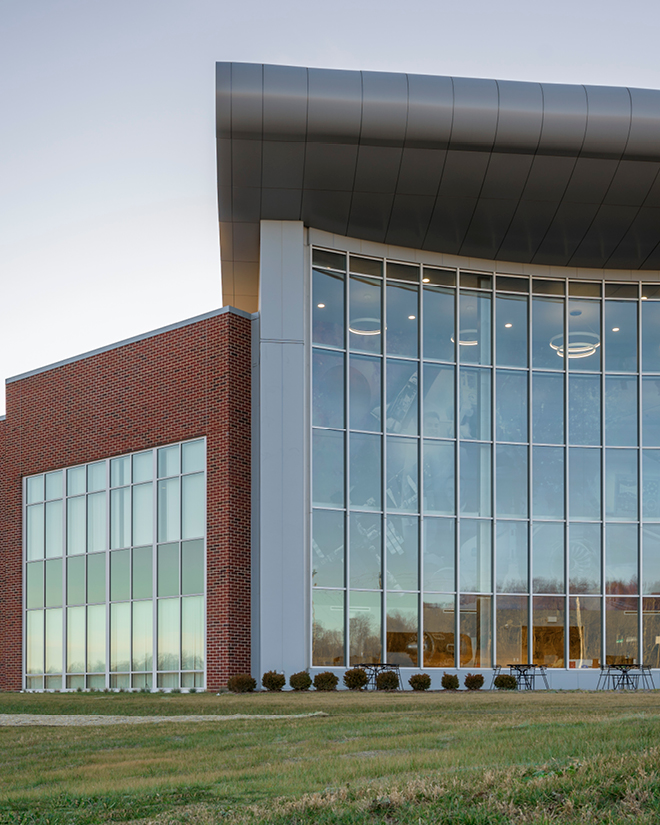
column 643, row 297
column 508, row 326
column 426, row 280
column 411, row 317
column 321, row 306
column 615, row 329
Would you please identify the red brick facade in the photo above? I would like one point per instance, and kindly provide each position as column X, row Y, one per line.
column 180, row 384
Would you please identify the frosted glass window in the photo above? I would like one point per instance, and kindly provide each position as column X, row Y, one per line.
column 474, row 346
column 328, row 627
column 192, row 567
column 511, row 406
column 193, row 506
column 169, row 636
column 120, row 518
column 54, row 583
column 75, row 580
column 75, row 640
column 168, row 570
column 620, row 336
column 328, row 388
column 54, row 529
column 328, row 468
column 169, row 510
column 548, row 558
column 328, row 308
column 439, row 554
column 54, row 641
column 54, row 486
column 142, row 636
column 120, row 471
column 96, row 638
column 143, row 514
column 35, row 489
column 402, row 395
column 511, row 481
column 142, row 467
column 365, row 478
column 584, row 409
column 548, row 482
column 76, row 481
column 548, row 408
column 475, row 479
column 120, row 636
column 35, row 532
column 35, row 585
column 439, row 473
column 364, row 394
column 96, row 578
column 438, row 323
column 584, row 483
column 364, row 312
column 475, row 556
column 621, row 500
column 620, row 411
column 364, row 627
column 366, row 559
column 96, row 520
column 142, row 572
column 584, row 558
column 511, row 553
column 168, row 461
column 402, row 553
column 327, row 548
column 402, row 624
column 192, row 457
column 402, row 481
column 120, row 572
column 438, row 404
column 192, row 633
column 511, row 331
column 96, row 477
column 547, row 333
column 76, row 525
column 474, row 404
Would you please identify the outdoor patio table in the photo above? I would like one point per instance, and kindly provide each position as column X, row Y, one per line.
column 621, row 676
column 525, row 674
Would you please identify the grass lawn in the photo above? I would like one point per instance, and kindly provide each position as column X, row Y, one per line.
column 467, row 758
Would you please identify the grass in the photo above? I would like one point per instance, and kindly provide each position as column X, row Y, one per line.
column 466, row 758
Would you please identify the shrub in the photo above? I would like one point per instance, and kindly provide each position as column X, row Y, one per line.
column 505, row 682
column 474, row 681
column 242, row 683
column 387, row 680
column 449, row 681
column 272, row 680
column 356, row 678
column 300, row 681
column 420, row 681
column 326, row 681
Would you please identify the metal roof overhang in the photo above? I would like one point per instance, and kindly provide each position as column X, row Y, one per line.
column 528, row 172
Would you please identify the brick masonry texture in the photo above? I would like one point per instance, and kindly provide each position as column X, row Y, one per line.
column 185, row 383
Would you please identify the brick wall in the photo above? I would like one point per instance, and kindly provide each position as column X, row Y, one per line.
column 184, row 383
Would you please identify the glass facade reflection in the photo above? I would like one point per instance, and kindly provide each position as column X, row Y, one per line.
column 485, row 468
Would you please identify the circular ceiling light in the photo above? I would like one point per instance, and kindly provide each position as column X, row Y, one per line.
column 615, row 329
column 580, row 344
column 508, row 326
column 467, row 338
column 426, row 280
column 411, row 317
column 365, row 326
column 321, row 306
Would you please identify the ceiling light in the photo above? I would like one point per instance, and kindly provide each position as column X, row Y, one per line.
column 508, row 326
column 321, row 306
column 467, row 338
column 411, row 317
column 615, row 329
column 426, row 280
column 580, row 344
column 643, row 297
column 365, row 326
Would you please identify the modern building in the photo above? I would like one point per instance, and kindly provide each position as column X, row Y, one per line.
column 425, row 429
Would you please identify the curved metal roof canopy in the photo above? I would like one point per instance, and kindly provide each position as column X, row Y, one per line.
column 528, row 172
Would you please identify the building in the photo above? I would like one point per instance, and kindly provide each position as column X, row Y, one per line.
column 428, row 432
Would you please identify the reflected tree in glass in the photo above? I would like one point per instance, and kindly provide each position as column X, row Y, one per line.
column 402, row 629
column 364, row 627
column 511, row 628
column 328, row 627
column 548, row 631
column 439, row 630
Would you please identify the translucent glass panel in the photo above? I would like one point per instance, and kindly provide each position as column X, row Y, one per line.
column 402, row 320
column 511, row 331
column 548, row 628
column 620, row 411
column 402, row 395
column 438, row 333
column 621, row 500
column 584, row 343
column 439, row 555
column 366, row 553
column 621, row 631
column 475, row 479
column 621, row 336
column 511, row 481
column 651, row 558
column 584, row 640
column 476, row 631
column 364, row 627
column 439, row 477
column 651, row 632
column 438, row 404
column 548, row 482
column 621, row 552
column 474, row 404
column 402, row 638
column 439, row 646
column 548, row 558
column 365, row 315
column 650, row 336
column 474, row 333
column 584, row 410
column 511, row 406
column 327, row 548
column 650, row 418
column 327, row 627
column 365, row 475
column 547, row 333
column 512, row 629
column 328, row 468
column 328, row 308
column 584, row 558
column 584, row 483
column 402, row 553
column 547, row 408
column 512, row 557
column 402, row 482
column 475, row 556
column 328, row 389
column 364, row 396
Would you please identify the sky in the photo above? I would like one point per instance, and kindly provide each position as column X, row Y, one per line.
column 108, row 206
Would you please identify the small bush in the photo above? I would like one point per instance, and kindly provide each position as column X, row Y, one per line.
column 242, row 683
column 272, row 680
column 326, row 681
column 505, row 682
column 420, row 681
column 300, row 681
column 474, row 681
column 449, row 681
column 387, row 680
column 356, row 678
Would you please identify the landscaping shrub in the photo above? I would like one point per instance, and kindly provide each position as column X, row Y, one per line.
column 326, row 681
column 474, row 681
column 505, row 682
column 272, row 680
column 242, row 683
column 300, row 681
column 449, row 681
column 387, row 680
column 356, row 678
column 420, row 681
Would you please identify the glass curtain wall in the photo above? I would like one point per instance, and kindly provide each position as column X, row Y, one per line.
column 485, row 460
column 114, row 572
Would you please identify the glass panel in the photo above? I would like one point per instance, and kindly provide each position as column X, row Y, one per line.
column 476, row 280
column 511, row 332
column 328, row 628
column 120, row 636
column 142, row 572
column 584, row 637
column 120, row 518
column 583, row 336
column 402, row 392
column 585, row 288
column 54, row 641
column 75, row 640
column 143, row 467
column 548, row 558
column 402, row 323
column 327, row 309
column 651, row 632
column 547, row 408
column 54, row 583
column 547, row 332
column 143, row 620
column 54, row 529
column 512, row 284
column 75, row 481
column 402, row 629
column 584, row 558
column 402, row 481
column 365, row 551
column 95, row 522
column 651, row 412
column 402, row 545
column 651, row 558
column 584, row 409
column 120, row 471
column 365, row 471
column 621, row 484
column 120, row 575
column 327, row 388
column 476, row 632
column 548, row 482
column 365, row 315
column 364, row 393
column 548, row 631
column 511, row 481
column 327, row 548
column 193, row 506
column 143, row 514
column 439, row 323
column 621, row 290
column 475, row 479
column 34, row 648
column 96, row 578
column 96, row 477
column 168, row 461
column 620, row 336
column 96, row 638
column 511, row 553
column 192, row 456
column 651, row 485
column 438, row 404
column 169, row 510
column 475, row 558
column 439, row 631
column 35, row 489
column 168, row 634
column 584, row 482
column 621, row 574
column 439, row 555
column 168, row 570
column 511, row 622
column 364, row 627
column 474, row 329
column 75, row 580
column 620, row 411
column 511, row 406
column 54, row 484
column 439, row 471
column 621, row 631
column 402, row 272
column 192, row 567
column 474, row 400
column 192, row 633
column 35, row 585
column 651, row 336
column 332, row 260
column 439, row 277
column 35, row 532
column 75, row 526
column 328, row 468
column 366, row 266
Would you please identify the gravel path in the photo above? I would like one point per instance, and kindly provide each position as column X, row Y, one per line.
column 23, row 719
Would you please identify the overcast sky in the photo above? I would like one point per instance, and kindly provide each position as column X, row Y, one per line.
column 108, row 215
